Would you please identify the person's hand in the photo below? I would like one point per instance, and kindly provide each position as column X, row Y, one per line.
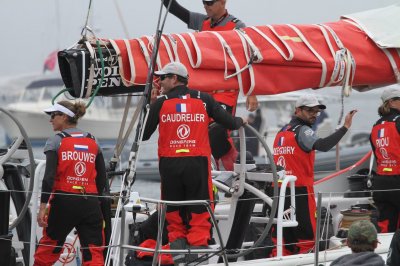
column 42, row 217
column 251, row 103
column 349, row 118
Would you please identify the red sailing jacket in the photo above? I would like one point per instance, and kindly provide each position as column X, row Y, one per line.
column 289, row 155
column 228, row 26
column 76, row 164
column 225, row 97
column 183, row 128
column 386, row 142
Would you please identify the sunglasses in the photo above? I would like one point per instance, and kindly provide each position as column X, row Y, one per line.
column 165, row 76
column 209, row 3
column 55, row 114
column 311, row 110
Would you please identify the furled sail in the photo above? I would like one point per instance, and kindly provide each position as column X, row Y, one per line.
column 258, row 60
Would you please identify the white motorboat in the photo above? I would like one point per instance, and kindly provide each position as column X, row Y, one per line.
column 102, row 119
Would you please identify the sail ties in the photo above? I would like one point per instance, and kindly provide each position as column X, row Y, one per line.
column 345, row 65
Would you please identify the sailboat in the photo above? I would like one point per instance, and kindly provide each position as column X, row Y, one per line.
column 242, row 69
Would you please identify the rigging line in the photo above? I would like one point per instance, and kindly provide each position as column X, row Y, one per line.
column 146, row 94
column 130, row 174
column 121, row 19
column 84, row 30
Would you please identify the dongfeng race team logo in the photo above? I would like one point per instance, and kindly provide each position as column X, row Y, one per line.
column 281, row 161
column 80, row 168
column 183, row 131
column 384, row 153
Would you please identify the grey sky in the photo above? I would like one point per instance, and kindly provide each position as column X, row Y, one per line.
column 31, row 29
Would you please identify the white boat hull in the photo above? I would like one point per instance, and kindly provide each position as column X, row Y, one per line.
column 39, row 128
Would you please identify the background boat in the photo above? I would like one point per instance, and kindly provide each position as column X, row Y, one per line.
column 102, row 118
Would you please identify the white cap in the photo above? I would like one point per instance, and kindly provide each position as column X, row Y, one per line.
column 175, row 68
column 309, row 100
column 59, row 108
column 390, row 93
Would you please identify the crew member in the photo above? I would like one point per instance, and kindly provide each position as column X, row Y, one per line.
column 74, row 174
column 184, row 153
column 294, row 150
column 217, row 19
column 385, row 142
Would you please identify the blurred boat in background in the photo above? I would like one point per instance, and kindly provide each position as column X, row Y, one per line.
column 26, row 97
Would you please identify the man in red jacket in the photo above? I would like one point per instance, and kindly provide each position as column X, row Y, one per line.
column 217, row 19
column 294, row 150
column 182, row 116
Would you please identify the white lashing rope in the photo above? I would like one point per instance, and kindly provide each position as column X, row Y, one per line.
column 91, row 69
column 174, row 47
column 345, row 58
column 249, row 58
column 167, row 48
column 270, row 41
column 227, row 49
column 189, row 54
column 323, row 63
column 393, row 63
column 150, row 47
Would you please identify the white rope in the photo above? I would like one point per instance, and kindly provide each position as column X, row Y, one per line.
column 187, row 49
column 91, row 70
column 347, row 63
column 174, row 47
column 167, row 48
column 150, row 47
column 249, row 58
column 270, row 41
column 323, row 63
column 227, row 49
column 393, row 64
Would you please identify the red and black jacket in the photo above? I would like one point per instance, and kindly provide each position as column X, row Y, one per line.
column 289, row 155
column 76, row 164
column 385, row 142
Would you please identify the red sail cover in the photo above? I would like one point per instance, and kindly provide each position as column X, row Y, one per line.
column 285, row 58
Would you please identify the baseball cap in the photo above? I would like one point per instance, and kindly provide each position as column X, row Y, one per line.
column 362, row 232
column 175, row 68
column 390, row 93
column 309, row 100
column 59, row 108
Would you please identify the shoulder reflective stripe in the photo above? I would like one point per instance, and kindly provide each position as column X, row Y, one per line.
column 182, row 151
column 387, row 169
